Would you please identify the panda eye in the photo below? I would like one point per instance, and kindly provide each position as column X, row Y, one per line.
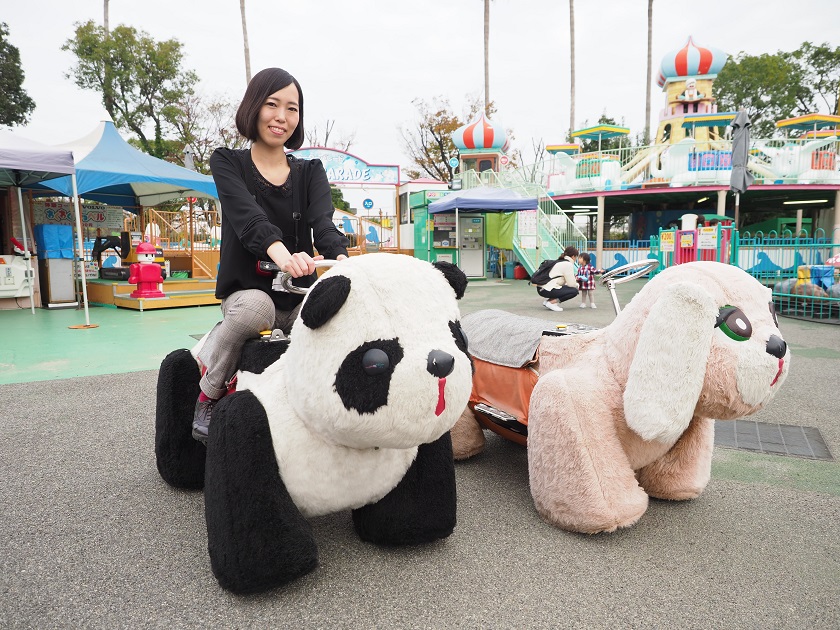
column 375, row 361
column 773, row 313
column 459, row 335
column 734, row 324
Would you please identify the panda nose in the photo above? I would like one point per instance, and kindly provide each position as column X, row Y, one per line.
column 776, row 346
column 440, row 363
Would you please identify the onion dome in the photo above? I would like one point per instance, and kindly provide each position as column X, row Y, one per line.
column 481, row 133
column 691, row 61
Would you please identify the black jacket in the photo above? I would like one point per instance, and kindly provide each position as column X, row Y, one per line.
column 254, row 217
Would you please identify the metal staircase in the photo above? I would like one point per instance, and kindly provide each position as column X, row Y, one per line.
column 554, row 230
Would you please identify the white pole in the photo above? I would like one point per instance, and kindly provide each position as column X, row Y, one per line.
column 81, row 247
column 599, row 231
column 458, row 242
column 29, row 274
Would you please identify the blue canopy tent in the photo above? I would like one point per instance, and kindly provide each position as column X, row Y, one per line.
column 111, row 171
column 482, row 199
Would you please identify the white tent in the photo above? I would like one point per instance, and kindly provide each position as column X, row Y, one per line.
column 25, row 162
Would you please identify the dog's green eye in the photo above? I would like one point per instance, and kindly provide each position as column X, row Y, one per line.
column 734, row 324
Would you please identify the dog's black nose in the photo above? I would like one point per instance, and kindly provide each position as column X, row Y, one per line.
column 776, row 346
column 440, row 363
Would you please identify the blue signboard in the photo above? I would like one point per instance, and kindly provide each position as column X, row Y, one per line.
column 343, row 168
column 368, row 203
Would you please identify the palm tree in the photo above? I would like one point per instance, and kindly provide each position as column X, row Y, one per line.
column 572, row 61
column 109, row 79
column 486, row 57
column 245, row 40
column 649, row 71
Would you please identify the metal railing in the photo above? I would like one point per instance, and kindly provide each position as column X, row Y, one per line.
column 555, row 229
column 687, row 163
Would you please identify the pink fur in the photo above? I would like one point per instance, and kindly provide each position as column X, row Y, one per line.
column 661, row 373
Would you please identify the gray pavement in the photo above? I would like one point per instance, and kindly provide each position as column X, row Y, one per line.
column 93, row 538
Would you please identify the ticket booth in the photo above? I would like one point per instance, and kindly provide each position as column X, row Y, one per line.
column 450, row 237
column 472, row 253
column 455, row 228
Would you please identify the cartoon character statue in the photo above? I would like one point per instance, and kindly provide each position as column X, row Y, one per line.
column 691, row 94
column 145, row 273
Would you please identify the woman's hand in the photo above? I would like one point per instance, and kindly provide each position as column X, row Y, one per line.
column 296, row 265
column 300, row 264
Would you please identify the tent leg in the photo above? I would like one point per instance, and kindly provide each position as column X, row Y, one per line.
column 30, row 275
column 81, row 245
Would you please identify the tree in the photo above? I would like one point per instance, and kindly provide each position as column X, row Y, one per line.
column 771, row 87
column 141, row 81
column 203, row 123
column 765, row 86
column 531, row 168
column 429, row 143
column 572, row 64
column 342, row 143
column 246, row 50
column 819, row 78
column 649, row 71
column 15, row 104
column 486, row 57
column 338, row 200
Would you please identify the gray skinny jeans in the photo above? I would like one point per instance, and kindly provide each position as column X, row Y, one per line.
column 244, row 315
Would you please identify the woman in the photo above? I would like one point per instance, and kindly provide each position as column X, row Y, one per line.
column 563, row 284
column 274, row 207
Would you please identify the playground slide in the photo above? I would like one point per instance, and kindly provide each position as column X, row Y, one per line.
column 760, row 169
column 638, row 164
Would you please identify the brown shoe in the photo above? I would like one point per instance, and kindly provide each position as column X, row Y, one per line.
column 201, row 419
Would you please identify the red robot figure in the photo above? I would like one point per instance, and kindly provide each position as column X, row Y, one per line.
column 145, row 273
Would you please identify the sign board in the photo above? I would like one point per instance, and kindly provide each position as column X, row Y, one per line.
column 504, row 160
column 368, row 203
column 344, row 168
column 666, row 243
column 687, row 239
column 453, row 162
column 527, row 223
column 528, row 242
column 93, row 216
column 707, row 238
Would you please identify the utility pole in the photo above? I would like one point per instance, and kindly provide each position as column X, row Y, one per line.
column 245, row 40
column 486, row 57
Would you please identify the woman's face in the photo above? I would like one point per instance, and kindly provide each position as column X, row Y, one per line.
column 279, row 117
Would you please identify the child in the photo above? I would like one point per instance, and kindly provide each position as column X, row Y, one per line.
column 586, row 281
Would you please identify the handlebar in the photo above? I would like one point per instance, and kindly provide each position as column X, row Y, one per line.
column 639, row 268
column 283, row 281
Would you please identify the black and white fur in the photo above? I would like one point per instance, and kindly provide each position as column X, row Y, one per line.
column 316, row 432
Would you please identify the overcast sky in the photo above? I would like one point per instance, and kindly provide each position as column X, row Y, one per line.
column 362, row 62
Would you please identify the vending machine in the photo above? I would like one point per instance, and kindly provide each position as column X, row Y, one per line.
column 471, row 245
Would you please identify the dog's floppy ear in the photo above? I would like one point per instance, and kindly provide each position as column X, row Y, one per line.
column 668, row 369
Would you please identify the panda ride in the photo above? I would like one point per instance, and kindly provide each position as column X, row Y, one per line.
column 353, row 411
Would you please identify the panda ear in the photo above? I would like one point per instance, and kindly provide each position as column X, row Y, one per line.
column 454, row 276
column 324, row 300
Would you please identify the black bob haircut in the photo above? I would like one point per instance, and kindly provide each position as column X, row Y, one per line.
column 262, row 85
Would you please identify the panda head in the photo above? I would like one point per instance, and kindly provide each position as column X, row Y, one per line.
column 377, row 356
